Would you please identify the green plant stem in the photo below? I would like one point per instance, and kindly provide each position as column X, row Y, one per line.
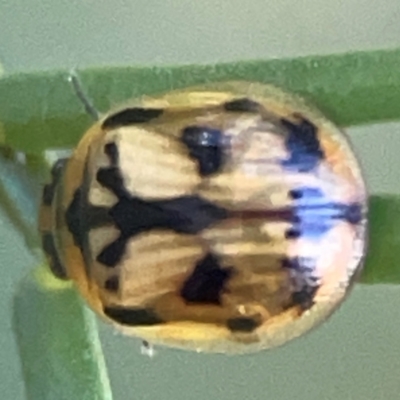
column 19, row 198
column 58, row 342
column 40, row 110
column 383, row 258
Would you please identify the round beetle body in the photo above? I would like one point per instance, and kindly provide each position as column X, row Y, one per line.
column 229, row 217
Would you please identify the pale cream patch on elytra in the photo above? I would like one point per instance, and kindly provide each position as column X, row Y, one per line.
column 154, row 166
column 269, row 281
column 234, row 236
column 338, row 263
column 252, row 177
column 241, row 190
column 341, row 158
column 100, row 238
column 98, row 195
column 157, row 263
column 252, row 139
column 338, row 188
column 250, row 247
column 275, row 230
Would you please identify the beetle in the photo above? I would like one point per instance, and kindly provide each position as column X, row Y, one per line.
column 228, row 217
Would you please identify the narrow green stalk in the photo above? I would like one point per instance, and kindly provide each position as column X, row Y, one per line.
column 58, row 342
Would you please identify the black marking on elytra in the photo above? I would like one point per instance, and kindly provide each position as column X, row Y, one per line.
column 112, row 284
column 292, row 233
column 303, row 145
column 110, row 177
column 133, row 316
column 111, row 150
column 96, row 217
column 186, row 214
column 56, row 266
column 352, row 213
column 295, row 194
column 304, row 279
column 73, row 218
column 132, row 215
column 131, row 116
column 305, row 297
column 242, row 324
column 81, row 217
column 242, row 105
column 112, row 254
column 205, row 145
column 294, row 263
column 50, row 189
column 207, row 282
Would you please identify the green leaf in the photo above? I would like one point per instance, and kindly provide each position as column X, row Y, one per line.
column 383, row 259
column 58, row 342
column 40, row 110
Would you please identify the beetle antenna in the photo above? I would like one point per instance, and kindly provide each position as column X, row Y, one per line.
column 83, row 98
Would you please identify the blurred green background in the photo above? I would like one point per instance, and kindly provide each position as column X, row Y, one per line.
column 356, row 354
